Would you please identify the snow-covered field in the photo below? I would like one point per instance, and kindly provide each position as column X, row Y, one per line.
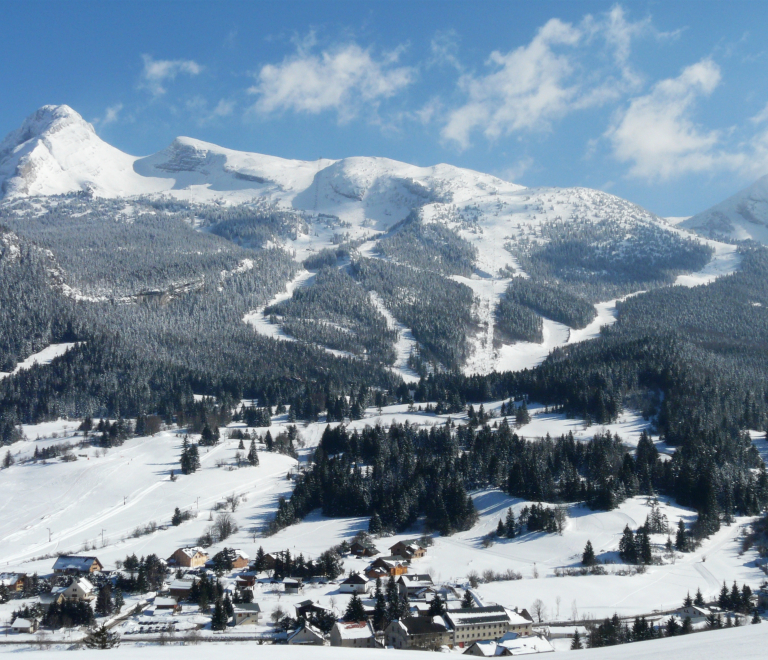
column 95, row 503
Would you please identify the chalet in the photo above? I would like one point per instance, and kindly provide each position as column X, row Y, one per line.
column 13, row 581
column 247, row 614
column 80, row 591
column 168, row 603
column 24, row 625
column 353, row 634
column 695, row 613
column 354, row 584
column 189, row 557
column 393, row 569
column 407, row 549
column 376, row 574
column 229, row 556
column 417, row 632
column 363, row 549
column 270, row 559
column 412, row 584
column 246, row 580
column 180, row 588
column 306, row 608
column 76, row 565
column 482, row 623
column 307, row 635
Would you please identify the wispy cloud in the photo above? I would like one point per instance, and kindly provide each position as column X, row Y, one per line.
column 157, row 73
column 199, row 107
column 343, row 79
column 110, row 116
column 657, row 135
column 530, row 87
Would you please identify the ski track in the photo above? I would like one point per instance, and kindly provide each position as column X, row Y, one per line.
column 405, row 345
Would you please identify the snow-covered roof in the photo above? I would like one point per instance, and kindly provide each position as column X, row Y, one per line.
column 193, row 551
column 479, row 615
column 355, row 578
column 83, row 584
column 74, row 563
column 167, row 601
column 10, row 579
column 354, row 630
column 22, row 623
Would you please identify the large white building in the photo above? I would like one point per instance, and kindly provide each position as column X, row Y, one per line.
column 483, row 623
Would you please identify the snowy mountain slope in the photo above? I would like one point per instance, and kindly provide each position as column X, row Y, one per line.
column 56, row 151
column 329, row 202
column 740, row 217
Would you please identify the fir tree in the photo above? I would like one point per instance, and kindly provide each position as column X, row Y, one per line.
column 104, row 601
column 355, row 610
column 509, row 523
column 576, row 644
column 724, row 599
column 688, row 602
column 101, row 638
column 374, row 525
column 177, row 518
column 673, row 627
column 253, row 455
column 687, row 626
column 588, row 556
column 756, row 617
column 436, row 606
column 380, row 608
column 627, row 547
column 119, row 601
column 500, row 531
column 8, row 460
column 268, row 441
column 681, row 537
column 643, row 545
column 219, row 617
column 467, row 601
column 698, row 599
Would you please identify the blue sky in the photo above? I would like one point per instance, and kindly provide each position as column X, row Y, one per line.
column 663, row 103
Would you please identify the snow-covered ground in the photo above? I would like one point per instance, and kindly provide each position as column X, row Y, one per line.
column 66, row 507
column 41, row 357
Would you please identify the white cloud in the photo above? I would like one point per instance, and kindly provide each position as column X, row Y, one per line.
column 514, row 172
column 560, row 71
column 343, row 79
column 110, row 115
column 761, row 116
column 527, row 90
column 157, row 72
column 657, row 133
column 198, row 106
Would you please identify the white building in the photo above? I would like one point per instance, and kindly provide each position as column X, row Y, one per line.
column 354, row 584
column 485, row 623
column 356, row 634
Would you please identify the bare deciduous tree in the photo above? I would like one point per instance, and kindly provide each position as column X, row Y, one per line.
column 539, row 610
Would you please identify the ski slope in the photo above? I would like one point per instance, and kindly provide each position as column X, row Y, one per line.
column 45, row 356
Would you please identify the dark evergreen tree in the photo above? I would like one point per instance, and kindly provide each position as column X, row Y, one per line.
column 380, row 608
column 588, row 556
column 467, row 601
column 627, row 547
column 104, row 605
column 698, row 600
column 253, row 455
column 177, row 518
column 355, row 610
column 102, row 638
column 576, row 644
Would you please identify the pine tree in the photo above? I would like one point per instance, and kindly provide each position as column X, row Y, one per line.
column 8, row 460
column 380, row 608
column 355, row 610
column 394, row 610
column 688, row 602
column 104, row 601
column 576, row 644
column 467, row 601
column 177, row 518
column 269, row 441
column 119, row 601
column 436, row 606
column 374, row 525
column 500, row 531
column 522, row 417
column 687, row 626
column 735, row 598
column 588, row 556
column 673, row 627
column 681, row 537
column 509, row 523
column 627, row 547
column 724, row 599
column 756, row 617
column 101, row 638
column 219, row 617
column 253, row 455
column 698, row 599
column 643, row 545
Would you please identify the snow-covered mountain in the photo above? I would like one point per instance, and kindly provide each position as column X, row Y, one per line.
column 742, row 216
